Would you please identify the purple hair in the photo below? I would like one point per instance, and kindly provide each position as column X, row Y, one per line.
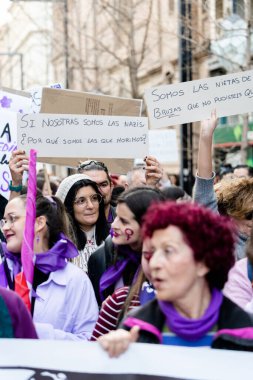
column 210, row 236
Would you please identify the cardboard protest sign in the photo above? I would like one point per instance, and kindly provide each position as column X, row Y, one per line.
column 193, row 101
column 84, row 103
column 163, row 145
column 14, row 100
column 83, row 137
column 8, row 143
column 23, row 359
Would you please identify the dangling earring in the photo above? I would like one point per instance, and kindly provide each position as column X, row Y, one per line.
column 37, row 239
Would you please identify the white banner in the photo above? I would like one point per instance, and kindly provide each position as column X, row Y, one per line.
column 163, row 145
column 8, row 143
column 83, row 136
column 193, row 101
column 66, row 360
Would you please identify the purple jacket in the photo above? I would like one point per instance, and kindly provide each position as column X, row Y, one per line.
column 15, row 319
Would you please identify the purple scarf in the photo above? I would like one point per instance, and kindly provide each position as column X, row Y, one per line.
column 192, row 329
column 15, row 258
column 55, row 257
column 115, row 272
column 46, row 262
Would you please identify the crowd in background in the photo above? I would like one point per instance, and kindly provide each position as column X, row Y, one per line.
column 133, row 257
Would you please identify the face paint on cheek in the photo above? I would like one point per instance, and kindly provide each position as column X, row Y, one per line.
column 129, row 233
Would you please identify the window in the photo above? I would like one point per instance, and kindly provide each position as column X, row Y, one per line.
column 238, row 8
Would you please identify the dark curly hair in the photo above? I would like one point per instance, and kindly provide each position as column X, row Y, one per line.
column 210, row 236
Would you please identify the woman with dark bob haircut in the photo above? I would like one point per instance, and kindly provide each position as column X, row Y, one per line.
column 85, row 207
column 192, row 252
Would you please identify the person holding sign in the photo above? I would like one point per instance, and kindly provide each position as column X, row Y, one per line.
column 63, row 303
column 191, row 254
column 234, row 198
column 85, row 207
column 99, row 173
column 18, row 164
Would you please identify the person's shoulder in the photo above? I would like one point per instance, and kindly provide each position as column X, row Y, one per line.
column 72, row 268
column 120, row 294
column 148, row 312
column 13, row 302
column 9, row 295
column 71, row 273
column 233, row 316
column 240, row 269
column 105, row 248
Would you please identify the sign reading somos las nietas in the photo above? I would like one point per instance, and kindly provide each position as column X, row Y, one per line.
column 193, row 101
column 66, row 360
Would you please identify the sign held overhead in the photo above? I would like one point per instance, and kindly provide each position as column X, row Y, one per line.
column 193, row 101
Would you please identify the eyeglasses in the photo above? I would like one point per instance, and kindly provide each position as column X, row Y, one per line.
column 9, row 221
column 91, row 163
column 82, row 201
column 249, row 215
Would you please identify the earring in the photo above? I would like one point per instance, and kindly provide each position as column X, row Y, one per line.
column 37, row 239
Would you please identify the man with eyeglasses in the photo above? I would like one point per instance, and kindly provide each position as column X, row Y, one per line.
column 99, row 173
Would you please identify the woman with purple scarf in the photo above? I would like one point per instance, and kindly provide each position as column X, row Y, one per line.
column 63, row 305
column 127, row 298
column 117, row 262
column 192, row 252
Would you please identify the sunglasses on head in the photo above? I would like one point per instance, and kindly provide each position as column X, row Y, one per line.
column 88, row 163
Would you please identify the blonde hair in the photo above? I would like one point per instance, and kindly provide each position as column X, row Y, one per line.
column 235, row 197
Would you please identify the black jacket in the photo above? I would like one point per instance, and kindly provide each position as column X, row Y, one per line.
column 231, row 317
column 98, row 262
column 105, row 256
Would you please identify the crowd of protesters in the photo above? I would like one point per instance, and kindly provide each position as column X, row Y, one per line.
column 132, row 257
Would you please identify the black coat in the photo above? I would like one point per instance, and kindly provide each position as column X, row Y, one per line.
column 105, row 256
column 98, row 262
column 231, row 317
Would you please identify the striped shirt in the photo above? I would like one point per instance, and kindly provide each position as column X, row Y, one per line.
column 110, row 311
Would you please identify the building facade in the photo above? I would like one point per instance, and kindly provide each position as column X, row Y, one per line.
column 122, row 47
